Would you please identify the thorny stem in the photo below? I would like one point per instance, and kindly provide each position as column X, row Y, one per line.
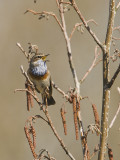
column 106, row 92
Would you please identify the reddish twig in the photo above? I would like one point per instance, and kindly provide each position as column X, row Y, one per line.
column 30, row 142
column 33, row 135
column 110, row 153
column 29, row 96
column 115, row 38
column 75, row 117
column 64, row 120
column 96, row 116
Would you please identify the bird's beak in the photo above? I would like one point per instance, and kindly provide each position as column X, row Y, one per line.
column 47, row 55
column 44, row 57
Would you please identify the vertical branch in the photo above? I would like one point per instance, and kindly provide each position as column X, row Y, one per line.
column 77, row 84
column 106, row 91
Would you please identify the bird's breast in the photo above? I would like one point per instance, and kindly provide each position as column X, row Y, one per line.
column 40, row 82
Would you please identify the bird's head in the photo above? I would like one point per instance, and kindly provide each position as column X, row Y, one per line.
column 38, row 60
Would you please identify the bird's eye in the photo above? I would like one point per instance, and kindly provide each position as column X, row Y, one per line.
column 40, row 57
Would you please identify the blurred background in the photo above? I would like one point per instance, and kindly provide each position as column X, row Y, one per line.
column 23, row 28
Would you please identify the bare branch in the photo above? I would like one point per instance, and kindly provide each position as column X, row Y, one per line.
column 77, row 84
column 118, row 5
column 41, row 155
column 66, row 3
column 60, row 91
column 47, row 116
column 106, row 92
column 109, row 85
column 115, row 38
column 46, row 13
column 118, row 90
column 116, row 28
column 19, row 45
column 79, row 24
column 26, row 90
column 114, row 118
column 56, row 134
column 92, row 66
column 26, row 76
column 86, row 25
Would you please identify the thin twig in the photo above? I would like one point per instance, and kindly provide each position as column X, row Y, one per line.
column 66, row 3
column 118, row 5
column 26, row 76
column 25, row 53
column 29, row 96
column 62, row 111
column 77, row 84
column 75, row 117
column 115, row 38
column 114, row 118
column 41, row 155
column 60, row 91
column 97, row 120
column 116, row 28
column 92, row 66
column 79, row 24
column 86, row 25
column 46, row 13
column 26, row 90
column 109, row 85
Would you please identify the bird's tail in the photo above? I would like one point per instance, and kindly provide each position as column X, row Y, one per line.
column 50, row 101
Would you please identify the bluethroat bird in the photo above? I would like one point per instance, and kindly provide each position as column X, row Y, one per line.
column 41, row 78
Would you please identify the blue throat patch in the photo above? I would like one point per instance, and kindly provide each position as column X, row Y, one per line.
column 39, row 69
